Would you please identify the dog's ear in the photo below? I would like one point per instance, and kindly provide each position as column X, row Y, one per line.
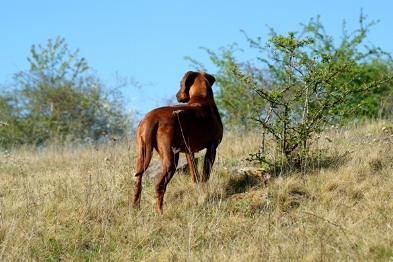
column 183, row 96
column 187, row 81
column 210, row 78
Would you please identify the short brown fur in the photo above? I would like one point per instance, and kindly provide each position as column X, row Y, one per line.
column 185, row 128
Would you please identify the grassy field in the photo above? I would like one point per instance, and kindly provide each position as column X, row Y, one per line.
column 73, row 204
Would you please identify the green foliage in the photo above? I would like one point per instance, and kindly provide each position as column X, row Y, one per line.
column 311, row 87
column 303, row 82
column 59, row 99
column 370, row 65
column 237, row 101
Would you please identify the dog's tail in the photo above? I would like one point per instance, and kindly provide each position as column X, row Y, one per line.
column 145, row 139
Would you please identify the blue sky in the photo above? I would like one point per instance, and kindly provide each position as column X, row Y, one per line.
column 148, row 40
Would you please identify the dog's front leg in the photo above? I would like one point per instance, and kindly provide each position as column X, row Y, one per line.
column 192, row 166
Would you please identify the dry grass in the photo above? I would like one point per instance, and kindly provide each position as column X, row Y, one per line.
column 73, row 204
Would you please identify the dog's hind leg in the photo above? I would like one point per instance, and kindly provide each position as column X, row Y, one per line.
column 169, row 164
column 210, row 156
column 137, row 191
column 145, row 152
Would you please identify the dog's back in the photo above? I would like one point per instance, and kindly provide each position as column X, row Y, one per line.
column 184, row 127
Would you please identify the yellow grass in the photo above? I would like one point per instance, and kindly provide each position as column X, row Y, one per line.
column 73, row 204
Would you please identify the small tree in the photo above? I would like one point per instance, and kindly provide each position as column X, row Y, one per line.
column 307, row 91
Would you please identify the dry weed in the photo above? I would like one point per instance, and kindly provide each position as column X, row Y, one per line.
column 73, row 204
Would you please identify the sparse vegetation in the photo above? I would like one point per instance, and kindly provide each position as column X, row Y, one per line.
column 73, row 204
column 59, row 98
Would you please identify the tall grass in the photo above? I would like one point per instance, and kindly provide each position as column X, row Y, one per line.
column 73, row 204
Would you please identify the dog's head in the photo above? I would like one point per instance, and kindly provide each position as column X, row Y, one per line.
column 195, row 84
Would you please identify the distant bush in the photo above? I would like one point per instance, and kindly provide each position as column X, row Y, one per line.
column 59, row 98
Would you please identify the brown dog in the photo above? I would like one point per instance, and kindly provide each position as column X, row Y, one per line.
column 181, row 128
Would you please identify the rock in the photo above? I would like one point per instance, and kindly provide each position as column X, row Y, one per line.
column 153, row 172
column 261, row 174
